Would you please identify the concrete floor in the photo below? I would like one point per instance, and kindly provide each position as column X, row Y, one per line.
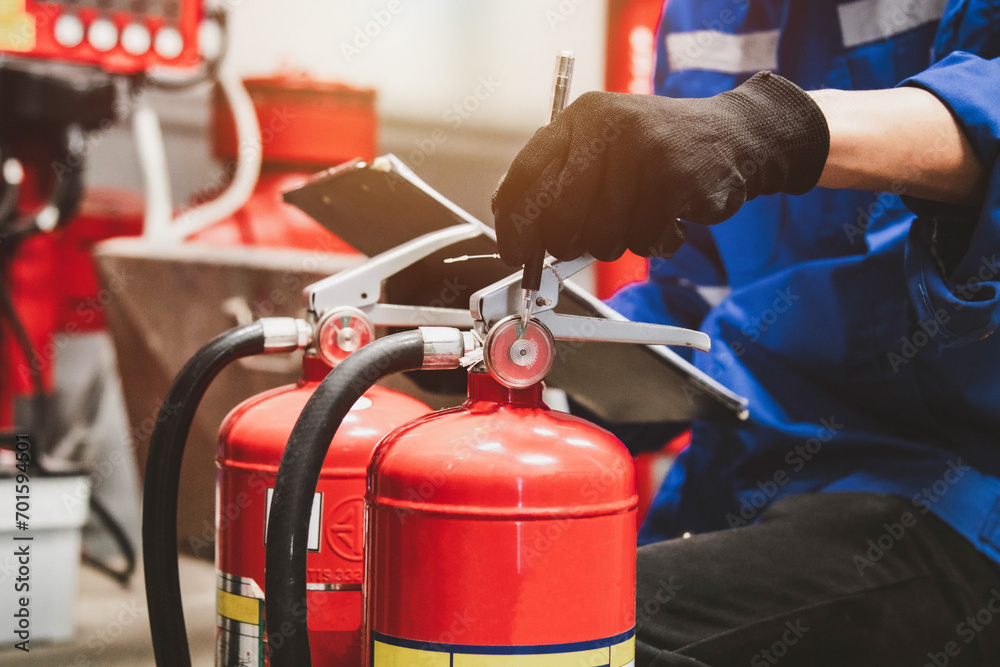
column 112, row 627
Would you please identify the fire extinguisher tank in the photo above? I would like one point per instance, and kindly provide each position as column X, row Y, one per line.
column 251, row 442
column 500, row 531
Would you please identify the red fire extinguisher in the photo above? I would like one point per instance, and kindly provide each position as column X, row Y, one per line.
column 499, row 532
column 343, row 314
column 508, row 540
column 306, row 125
column 251, row 441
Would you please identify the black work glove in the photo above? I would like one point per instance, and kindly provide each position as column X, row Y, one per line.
column 615, row 171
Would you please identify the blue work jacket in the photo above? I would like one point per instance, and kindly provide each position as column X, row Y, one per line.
column 861, row 325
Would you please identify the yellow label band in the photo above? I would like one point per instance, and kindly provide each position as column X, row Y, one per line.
column 616, row 651
column 17, row 26
column 238, row 608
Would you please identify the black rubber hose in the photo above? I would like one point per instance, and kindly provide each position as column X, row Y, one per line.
column 65, row 195
column 298, row 475
column 163, row 472
column 39, row 402
column 117, row 532
column 9, row 198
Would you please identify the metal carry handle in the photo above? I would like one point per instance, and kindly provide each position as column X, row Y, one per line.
column 361, row 286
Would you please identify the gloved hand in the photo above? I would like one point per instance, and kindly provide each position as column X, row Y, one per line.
column 615, row 171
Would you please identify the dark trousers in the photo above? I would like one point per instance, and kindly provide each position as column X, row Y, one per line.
column 846, row 579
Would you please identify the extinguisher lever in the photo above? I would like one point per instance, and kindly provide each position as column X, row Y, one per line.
column 576, row 328
column 345, row 307
column 361, row 286
column 495, row 302
column 392, row 315
column 502, row 299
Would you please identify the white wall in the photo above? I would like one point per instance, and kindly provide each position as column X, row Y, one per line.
column 428, row 58
column 429, row 55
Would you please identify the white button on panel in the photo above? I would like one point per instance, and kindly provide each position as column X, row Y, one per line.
column 169, row 43
column 69, row 30
column 136, row 39
column 102, row 35
column 209, row 39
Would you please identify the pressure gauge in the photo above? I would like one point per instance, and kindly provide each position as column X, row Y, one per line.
column 517, row 358
column 342, row 331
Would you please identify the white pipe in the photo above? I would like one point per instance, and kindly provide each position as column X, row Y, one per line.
column 248, row 162
column 155, row 173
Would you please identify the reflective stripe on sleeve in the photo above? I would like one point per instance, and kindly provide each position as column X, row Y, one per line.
column 723, row 52
column 871, row 20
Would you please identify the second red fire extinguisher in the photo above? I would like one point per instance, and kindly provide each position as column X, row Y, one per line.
column 343, row 313
column 499, row 532
column 251, row 442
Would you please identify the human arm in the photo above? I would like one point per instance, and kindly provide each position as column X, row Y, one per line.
column 616, row 171
column 701, row 159
column 903, row 140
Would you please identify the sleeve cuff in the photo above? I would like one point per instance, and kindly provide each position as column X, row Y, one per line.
column 970, row 87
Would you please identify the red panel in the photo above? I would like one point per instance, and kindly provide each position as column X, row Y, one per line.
column 266, row 220
column 103, row 214
column 54, row 285
column 306, row 125
column 44, row 15
column 631, row 57
column 631, row 47
column 304, row 121
column 651, row 469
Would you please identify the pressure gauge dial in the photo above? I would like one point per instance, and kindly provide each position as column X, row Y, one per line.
column 518, row 359
column 342, row 331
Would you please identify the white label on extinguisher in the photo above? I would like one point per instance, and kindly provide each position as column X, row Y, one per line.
column 314, row 519
column 362, row 403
